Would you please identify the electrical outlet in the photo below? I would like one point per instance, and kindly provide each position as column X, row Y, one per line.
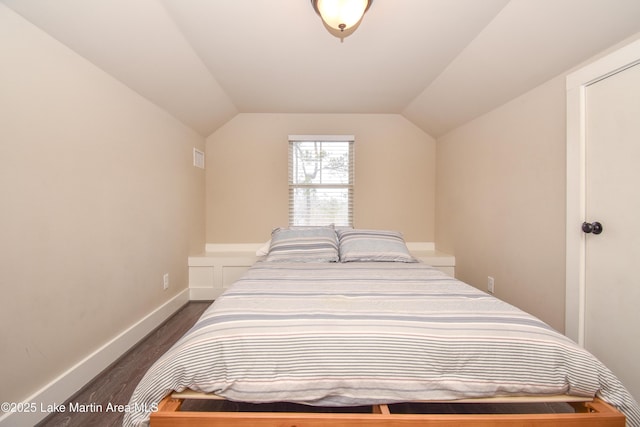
column 165, row 281
column 490, row 285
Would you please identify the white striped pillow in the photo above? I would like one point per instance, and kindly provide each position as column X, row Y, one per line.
column 373, row 245
column 314, row 244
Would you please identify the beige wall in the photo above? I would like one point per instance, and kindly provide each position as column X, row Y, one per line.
column 99, row 199
column 501, row 201
column 247, row 190
column 501, row 197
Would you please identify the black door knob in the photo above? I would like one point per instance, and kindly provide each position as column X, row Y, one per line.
column 594, row 227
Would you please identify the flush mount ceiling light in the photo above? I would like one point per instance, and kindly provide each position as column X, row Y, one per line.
column 341, row 14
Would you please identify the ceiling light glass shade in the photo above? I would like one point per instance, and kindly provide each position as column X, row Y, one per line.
column 341, row 14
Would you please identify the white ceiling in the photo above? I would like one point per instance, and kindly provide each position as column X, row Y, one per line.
column 440, row 63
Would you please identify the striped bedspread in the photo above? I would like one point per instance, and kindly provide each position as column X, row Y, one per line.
column 343, row 334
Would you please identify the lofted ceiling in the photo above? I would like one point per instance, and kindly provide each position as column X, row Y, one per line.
column 440, row 63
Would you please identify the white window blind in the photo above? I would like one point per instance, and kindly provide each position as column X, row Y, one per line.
column 321, row 180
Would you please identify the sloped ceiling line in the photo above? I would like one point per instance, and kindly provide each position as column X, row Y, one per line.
column 440, row 63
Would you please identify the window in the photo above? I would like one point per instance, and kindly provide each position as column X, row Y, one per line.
column 320, row 180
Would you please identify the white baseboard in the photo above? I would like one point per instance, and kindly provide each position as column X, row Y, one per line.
column 204, row 294
column 67, row 384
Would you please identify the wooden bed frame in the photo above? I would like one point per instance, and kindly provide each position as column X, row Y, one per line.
column 588, row 413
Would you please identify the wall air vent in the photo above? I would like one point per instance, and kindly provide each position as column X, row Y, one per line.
column 198, row 158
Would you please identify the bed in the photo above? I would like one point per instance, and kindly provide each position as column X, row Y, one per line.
column 349, row 318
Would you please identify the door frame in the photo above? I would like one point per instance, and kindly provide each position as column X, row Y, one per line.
column 576, row 85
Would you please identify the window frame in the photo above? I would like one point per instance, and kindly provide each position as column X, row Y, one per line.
column 349, row 186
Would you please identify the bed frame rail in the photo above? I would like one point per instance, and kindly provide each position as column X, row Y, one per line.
column 595, row 413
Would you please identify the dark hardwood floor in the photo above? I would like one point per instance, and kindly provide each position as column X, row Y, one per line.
column 116, row 384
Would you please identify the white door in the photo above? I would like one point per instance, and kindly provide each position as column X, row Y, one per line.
column 612, row 267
